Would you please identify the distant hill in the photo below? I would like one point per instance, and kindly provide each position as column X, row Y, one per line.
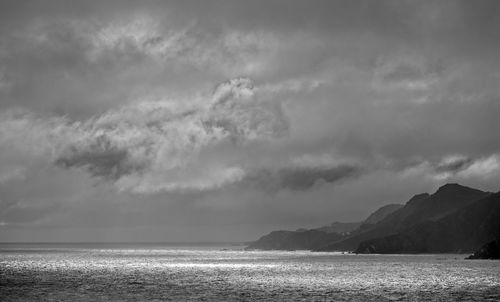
column 346, row 228
column 419, row 209
column 453, row 219
column 463, row 230
column 445, row 200
column 303, row 239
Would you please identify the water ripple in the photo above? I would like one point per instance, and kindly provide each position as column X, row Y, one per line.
column 82, row 274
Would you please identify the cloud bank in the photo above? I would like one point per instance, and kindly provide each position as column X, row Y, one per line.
column 152, row 146
column 236, row 117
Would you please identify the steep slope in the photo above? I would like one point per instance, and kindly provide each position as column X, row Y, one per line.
column 445, row 200
column 357, row 227
column 420, row 208
column 381, row 213
column 464, row 230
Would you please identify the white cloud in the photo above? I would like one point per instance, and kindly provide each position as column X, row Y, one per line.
column 483, row 168
column 457, row 168
column 153, row 146
column 189, row 178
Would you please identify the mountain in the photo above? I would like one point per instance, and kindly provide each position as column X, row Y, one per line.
column 453, row 219
column 293, row 240
column 465, row 229
column 490, row 250
column 445, row 200
column 381, row 213
column 420, row 208
column 340, row 227
column 303, row 239
column 347, row 228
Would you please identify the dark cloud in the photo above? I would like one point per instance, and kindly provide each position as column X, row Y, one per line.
column 304, row 178
column 100, row 158
column 299, row 178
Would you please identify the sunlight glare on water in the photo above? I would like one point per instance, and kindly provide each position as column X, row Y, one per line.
column 189, row 273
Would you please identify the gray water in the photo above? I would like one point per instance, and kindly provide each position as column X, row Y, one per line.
column 211, row 273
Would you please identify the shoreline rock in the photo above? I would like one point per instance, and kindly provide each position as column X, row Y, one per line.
column 490, row 250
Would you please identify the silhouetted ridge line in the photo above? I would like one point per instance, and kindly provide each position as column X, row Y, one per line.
column 455, row 218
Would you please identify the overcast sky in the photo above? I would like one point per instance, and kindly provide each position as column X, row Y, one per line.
column 223, row 120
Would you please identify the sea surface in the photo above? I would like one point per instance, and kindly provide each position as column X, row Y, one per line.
column 160, row 272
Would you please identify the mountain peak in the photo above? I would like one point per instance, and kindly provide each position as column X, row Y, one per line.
column 453, row 187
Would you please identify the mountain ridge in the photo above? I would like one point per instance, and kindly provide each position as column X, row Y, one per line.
column 454, row 218
column 464, row 230
column 289, row 240
column 419, row 208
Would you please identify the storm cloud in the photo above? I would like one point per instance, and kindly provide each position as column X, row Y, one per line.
column 237, row 117
column 137, row 144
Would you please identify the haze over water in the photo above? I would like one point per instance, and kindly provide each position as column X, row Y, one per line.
column 79, row 272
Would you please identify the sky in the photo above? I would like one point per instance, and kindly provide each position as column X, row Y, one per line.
column 223, row 120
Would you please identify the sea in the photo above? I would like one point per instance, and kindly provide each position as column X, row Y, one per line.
column 226, row 272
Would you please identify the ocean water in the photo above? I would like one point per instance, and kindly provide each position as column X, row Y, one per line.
column 120, row 272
